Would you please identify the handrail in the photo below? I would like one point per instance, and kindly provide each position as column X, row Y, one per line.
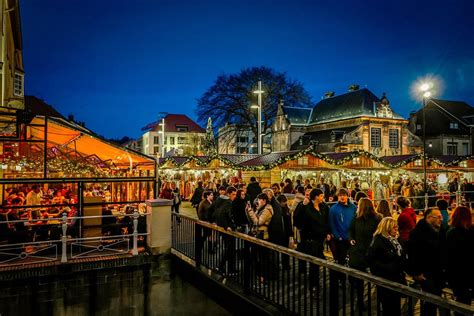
column 400, row 288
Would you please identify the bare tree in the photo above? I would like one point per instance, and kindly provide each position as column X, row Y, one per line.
column 229, row 99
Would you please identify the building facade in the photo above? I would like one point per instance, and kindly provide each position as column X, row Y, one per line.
column 180, row 135
column 234, row 139
column 357, row 120
column 453, row 132
column 12, row 85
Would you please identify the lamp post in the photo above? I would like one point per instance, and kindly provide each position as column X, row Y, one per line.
column 425, row 89
column 259, row 92
column 162, row 132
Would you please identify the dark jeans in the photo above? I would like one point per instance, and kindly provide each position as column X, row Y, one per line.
column 390, row 301
column 314, row 248
column 339, row 249
column 228, row 255
column 433, row 286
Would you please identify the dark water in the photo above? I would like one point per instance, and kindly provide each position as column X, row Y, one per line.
column 136, row 291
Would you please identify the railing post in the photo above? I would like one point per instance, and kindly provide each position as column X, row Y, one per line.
column 135, row 233
column 247, row 266
column 426, row 201
column 64, row 239
column 198, row 243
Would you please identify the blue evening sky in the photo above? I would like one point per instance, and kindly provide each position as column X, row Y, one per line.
column 116, row 64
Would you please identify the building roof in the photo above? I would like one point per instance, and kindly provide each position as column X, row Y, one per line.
column 444, row 112
column 352, row 104
column 238, row 159
column 268, row 158
column 37, row 106
column 172, row 121
column 297, row 115
column 321, row 137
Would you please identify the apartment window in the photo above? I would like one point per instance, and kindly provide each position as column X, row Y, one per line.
column 393, row 140
column 165, row 140
column 452, row 149
column 156, row 140
column 171, row 140
column 241, row 150
column 465, row 148
column 375, row 137
column 453, row 125
column 156, row 149
column 182, row 140
column 18, row 84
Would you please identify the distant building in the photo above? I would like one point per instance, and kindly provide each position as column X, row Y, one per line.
column 12, row 85
column 357, row 120
column 182, row 136
column 235, row 139
column 449, row 129
column 135, row 144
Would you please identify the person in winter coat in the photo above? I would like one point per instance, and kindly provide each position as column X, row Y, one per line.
column 360, row 236
column 424, row 248
column 288, row 188
column 459, row 260
column 261, row 219
column 197, row 196
column 406, row 220
column 387, row 259
column 314, row 230
column 238, row 211
column 341, row 215
column 253, row 189
column 223, row 218
column 204, row 208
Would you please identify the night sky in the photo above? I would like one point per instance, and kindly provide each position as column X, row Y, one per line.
column 116, row 64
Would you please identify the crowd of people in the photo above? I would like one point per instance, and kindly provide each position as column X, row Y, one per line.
column 431, row 247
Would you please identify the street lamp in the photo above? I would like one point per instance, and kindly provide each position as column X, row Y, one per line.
column 425, row 90
column 259, row 92
column 162, row 132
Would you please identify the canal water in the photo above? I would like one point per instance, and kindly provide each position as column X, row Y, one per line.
column 131, row 291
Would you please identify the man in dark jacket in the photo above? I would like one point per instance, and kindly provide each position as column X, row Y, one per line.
column 424, row 255
column 253, row 189
column 325, row 188
column 314, row 230
column 223, row 218
column 197, row 196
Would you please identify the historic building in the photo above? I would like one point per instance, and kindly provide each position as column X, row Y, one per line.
column 452, row 133
column 11, row 62
column 179, row 135
column 233, row 139
column 357, row 120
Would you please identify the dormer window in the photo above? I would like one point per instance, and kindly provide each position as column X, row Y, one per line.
column 181, row 128
column 453, row 125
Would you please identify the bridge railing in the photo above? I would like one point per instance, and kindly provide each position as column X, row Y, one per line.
column 295, row 282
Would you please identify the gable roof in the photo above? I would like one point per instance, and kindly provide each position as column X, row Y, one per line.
column 297, row 115
column 349, row 105
column 459, row 109
column 171, row 123
column 36, row 106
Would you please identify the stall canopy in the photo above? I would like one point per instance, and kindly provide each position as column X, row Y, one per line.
column 71, row 137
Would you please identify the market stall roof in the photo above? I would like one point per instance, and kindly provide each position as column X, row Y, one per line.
column 400, row 160
column 68, row 136
column 449, row 160
column 238, row 159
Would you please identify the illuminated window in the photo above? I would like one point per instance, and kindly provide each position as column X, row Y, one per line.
column 156, row 140
column 453, row 125
column 356, row 161
column 303, row 161
column 418, row 163
column 393, row 138
column 375, row 137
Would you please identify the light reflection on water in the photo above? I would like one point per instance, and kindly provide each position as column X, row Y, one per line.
column 106, row 292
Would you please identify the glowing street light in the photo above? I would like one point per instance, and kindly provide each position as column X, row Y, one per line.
column 259, row 92
column 162, row 132
column 425, row 89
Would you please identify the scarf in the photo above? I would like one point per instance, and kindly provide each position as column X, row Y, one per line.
column 396, row 245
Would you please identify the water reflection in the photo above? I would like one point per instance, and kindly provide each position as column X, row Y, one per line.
column 106, row 292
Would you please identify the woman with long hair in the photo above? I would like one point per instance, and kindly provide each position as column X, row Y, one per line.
column 459, row 260
column 360, row 236
column 387, row 259
column 238, row 211
column 384, row 208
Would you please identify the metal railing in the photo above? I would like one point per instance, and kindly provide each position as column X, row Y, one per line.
column 295, row 282
column 59, row 245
